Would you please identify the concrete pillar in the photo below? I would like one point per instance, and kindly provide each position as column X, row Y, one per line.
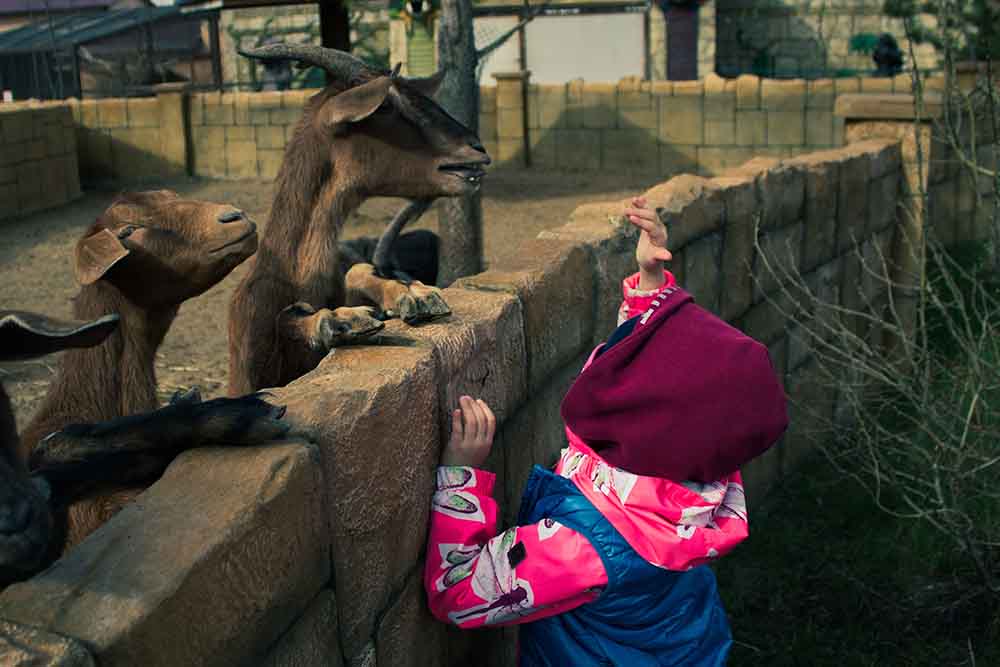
column 512, row 130
column 174, row 126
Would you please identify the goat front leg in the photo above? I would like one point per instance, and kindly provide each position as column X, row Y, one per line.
column 324, row 329
column 136, row 449
column 412, row 302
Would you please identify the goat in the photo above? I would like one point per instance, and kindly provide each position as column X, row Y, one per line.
column 144, row 256
column 414, row 256
column 74, row 462
column 369, row 132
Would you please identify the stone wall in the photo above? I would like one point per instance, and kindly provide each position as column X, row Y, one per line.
column 311, row 552
column 38, row 158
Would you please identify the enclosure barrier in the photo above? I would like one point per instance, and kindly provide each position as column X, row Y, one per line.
column 661, row 127
column 311, row 552
column 38, row 157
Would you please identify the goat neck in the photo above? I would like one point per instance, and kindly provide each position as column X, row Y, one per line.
column 113, row 379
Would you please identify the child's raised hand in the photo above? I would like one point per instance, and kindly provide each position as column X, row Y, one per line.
column 472, row 430
column 652, row 247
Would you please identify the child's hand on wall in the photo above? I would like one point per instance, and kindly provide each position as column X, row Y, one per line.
column 472, row 429
column 651, row 250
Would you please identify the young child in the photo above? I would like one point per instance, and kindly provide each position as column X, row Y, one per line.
column 606, row 564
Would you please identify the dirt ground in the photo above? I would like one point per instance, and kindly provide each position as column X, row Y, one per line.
column 36, row 269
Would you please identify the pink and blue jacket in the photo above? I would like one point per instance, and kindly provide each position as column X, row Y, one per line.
column 605, row 567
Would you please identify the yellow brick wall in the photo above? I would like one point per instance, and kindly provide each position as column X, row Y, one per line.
column 38, row 157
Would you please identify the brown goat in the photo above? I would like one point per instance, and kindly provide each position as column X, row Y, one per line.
column 146, row 254
column 366, row 134
column 78, row 460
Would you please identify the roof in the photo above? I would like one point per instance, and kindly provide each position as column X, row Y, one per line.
column 39, row 6
column 64, row 32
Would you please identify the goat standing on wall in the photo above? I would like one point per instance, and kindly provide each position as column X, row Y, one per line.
column 368, row 133
column 144, row 256
column 77, row 461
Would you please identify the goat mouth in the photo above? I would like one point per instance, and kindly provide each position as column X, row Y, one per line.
column 469, row 172
column 250, row 232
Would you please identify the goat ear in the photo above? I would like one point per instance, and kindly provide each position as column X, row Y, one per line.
column 356, row 104
column 25, row 335
column 428, row 85
column 96, row 254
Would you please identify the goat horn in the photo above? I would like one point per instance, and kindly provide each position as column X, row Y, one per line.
column 339, row 64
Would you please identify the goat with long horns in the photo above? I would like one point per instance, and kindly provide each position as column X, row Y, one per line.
column 370, row 132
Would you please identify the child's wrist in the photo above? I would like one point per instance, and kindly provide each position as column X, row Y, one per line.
column 651, row 278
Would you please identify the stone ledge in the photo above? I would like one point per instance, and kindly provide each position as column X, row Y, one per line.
column 204, row 568
column 886, row 107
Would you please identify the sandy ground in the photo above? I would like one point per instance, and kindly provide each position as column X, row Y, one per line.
column 36, row 270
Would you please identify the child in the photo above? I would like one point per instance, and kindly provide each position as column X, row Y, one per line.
column 606, row 564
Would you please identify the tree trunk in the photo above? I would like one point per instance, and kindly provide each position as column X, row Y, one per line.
column 460, row 219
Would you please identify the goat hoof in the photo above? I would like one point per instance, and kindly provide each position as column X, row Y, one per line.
column 421, row 303
column 345, row 325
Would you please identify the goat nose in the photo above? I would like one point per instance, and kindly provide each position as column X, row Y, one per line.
column 231, row 216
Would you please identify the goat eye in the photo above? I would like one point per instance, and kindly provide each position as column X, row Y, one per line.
column 126, row 231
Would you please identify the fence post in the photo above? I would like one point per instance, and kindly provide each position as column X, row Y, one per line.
column 512, row 134
column 174, row 126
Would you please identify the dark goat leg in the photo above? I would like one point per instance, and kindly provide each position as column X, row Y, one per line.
column 138, row 448
column 381, row 258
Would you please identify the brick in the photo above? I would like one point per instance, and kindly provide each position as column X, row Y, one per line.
column 544, row 149
column 270, row 137
column 71, row 168
column 821, row 95
column 510, row 95
column 239, row 539
column 196, row 109
column 644, row 119
column 112, row 113
column 16, row 127
column 55, row 140
column 241, row 109
column 819, row 128
column 510, row 124
column 269, row 163
column 549, row 107
column 239, row 133
column 751, row 128
column 713, row 160
column 241, row 159
column 488, row 99
column 785, row 128
column 748, row 92
column 846, row 85
column 681, row 120
column 679, row 159
column 8, row 201
column 487, row 126
column 599, row 106
column 720, row 98
column 284, row 116
column 219, row 109
column 739, row 195
column 662, row 88
column 876, row 85
column 510, row 150
column 783, row 94
column 8, row 175
column 720, row 132
column 633, row 150
column 143, row 112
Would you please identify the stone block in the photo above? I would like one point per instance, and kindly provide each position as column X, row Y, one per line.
column 681, row 120
column 54, row 181
column 810, row 412
column 778, row 260
column 821, row 95
column 239, row 133
column 600, row 109
column 113, row 113
column 219, row 109
column 552, row 279
column 852, row 202
column 196, row 109
column 16, row 127
column 510, row 95
column 225, row 551
column 8, row 201
column 739, row 197
column 781, row 189
column 488, row 126
column 822, row 183
column 479, row 351
column 373, row 412
column 8, row 175
column 143, row 112
column 632, row 150
column 786, row 128
column 578, row 149
column 549, row 107
column 819, row 128
column 846, row 86
column 751, row 128
column 748, row 92
column 678, row 159
column 703, row 270
column 885, row 156
column 510, row 150
column 269, row 137
column 27, row 646
column 241, row 108
column 71, row 168
column 690, row 207
column 285, row 116
column 261, row 116
column 55, row 140
column 510, row 124
column 543, row 146
column 639, row 119
column 241, row 159
column 487, row 99
column 312, row 640
column 269, row 163
column 783, row 94
column 876, row 85
column 407, row 635
column 266, row 100
column 720, row 132
column 883, row 199
column 69, row 140
column 36, row 150
column 720, row 98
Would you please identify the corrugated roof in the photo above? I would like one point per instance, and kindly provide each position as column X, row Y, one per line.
column 69, row 31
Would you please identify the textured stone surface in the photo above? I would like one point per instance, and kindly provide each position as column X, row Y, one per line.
column 205, row 568
column 312, row 641
column 822, row 181
column 552, row 279
column 739, row 195
column 373, row 412
column 408, row 636
column 26, row 646
column 690, row 206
